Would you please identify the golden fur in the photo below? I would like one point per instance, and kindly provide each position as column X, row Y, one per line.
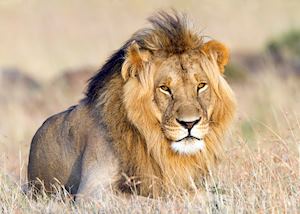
column 125, row 102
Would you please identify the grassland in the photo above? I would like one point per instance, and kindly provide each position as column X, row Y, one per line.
column 259, row 172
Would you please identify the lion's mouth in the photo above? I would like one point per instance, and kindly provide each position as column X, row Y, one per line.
column 188, row 145
column 187, row 138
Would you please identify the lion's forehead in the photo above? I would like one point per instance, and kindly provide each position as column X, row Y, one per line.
column 180, row 68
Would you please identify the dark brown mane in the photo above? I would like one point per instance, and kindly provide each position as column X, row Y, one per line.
column 168, row 34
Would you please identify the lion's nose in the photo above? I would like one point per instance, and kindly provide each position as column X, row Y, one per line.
column 188, row 124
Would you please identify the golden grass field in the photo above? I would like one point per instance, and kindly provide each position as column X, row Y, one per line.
column 260, row 171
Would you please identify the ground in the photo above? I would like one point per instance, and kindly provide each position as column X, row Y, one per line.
column 259, row 171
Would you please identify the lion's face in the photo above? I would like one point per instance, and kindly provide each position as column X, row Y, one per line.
column 181, row 97
column 184, row 100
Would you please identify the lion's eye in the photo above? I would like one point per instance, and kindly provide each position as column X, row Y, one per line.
column 201, row 87
column 165, row 89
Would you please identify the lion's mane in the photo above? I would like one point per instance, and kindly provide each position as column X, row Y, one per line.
column 137, row 139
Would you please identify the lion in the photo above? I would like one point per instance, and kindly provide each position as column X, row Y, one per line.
column 153, row 118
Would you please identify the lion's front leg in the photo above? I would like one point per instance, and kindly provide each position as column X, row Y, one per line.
column 96, row 183
column 99, row 173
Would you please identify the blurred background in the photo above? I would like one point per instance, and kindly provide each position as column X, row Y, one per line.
column 49, row 49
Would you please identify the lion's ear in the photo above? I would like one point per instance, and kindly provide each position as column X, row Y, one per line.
column 218, row 50
column 135, row 60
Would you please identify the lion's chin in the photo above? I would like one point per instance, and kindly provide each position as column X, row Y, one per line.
column 188, row 146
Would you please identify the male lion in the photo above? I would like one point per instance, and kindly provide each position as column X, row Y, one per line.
column 153, row 118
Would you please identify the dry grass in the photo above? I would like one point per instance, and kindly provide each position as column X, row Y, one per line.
column 259, row 173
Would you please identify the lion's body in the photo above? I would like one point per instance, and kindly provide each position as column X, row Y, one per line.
column 118, row 135
column 62, row 146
